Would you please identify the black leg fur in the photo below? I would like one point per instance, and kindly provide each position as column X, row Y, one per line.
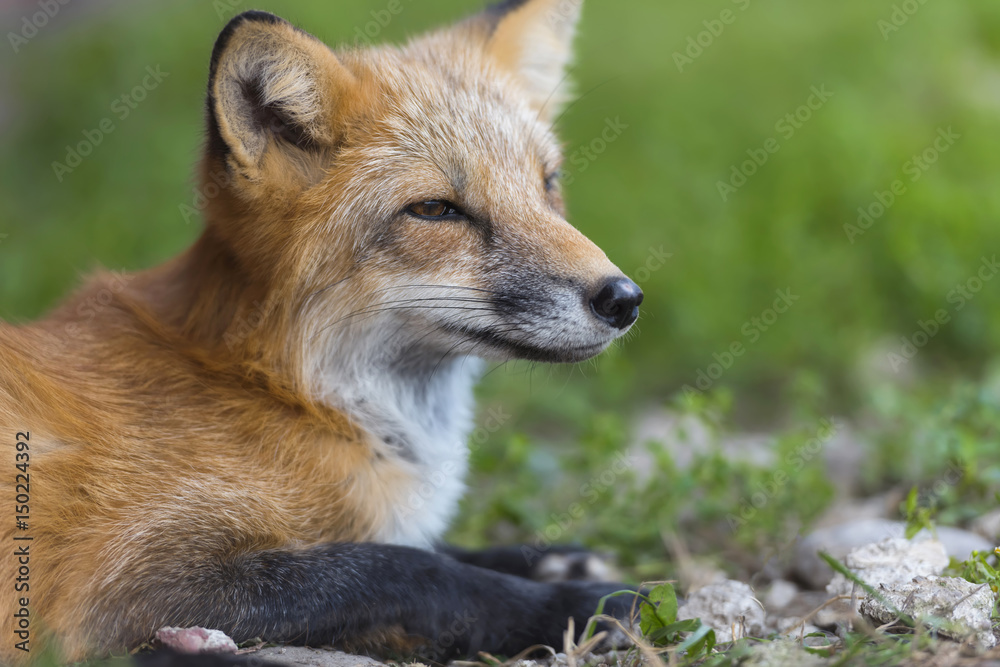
column 350, row 594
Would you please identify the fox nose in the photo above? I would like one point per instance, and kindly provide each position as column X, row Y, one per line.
column 617, row 302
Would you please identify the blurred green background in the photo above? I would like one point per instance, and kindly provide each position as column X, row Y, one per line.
column 889, row 94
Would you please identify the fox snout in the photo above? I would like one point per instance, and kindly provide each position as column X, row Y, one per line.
column 617, row 302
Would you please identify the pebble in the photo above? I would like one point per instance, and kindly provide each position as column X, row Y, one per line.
column 839, row 540
column 728, row 607
column 891, row 561
column 302, row 656
column 780, row 595
column 964, row 607
column 988, row 525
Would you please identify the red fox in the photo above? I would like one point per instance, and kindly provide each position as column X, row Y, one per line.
column 233, row 440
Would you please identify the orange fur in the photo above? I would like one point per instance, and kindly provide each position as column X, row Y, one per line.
column 178, row 414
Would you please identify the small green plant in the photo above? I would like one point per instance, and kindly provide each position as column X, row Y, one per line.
column 917, row 517
column 660, row 626
column 979, row 570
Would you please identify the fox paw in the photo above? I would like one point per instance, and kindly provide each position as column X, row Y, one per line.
column 574, row 566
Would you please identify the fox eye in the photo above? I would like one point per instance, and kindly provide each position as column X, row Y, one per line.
column 552, row 180
column 433, row 209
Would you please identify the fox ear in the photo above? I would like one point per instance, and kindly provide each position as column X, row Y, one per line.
column 533, row 40
column 273, row 96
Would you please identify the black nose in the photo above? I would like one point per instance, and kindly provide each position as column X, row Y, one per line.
column 617, row 302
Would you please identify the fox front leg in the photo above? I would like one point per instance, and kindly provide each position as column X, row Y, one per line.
column 378, row 596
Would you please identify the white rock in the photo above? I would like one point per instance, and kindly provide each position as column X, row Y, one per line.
column 196, row 640
column 954, row 607
column 686, row 436
column 988, row 525
column 959, row 543
column 780, row 595
column 848, row 510
column 302, row 656
column 839, row 540
column 891, row 561
column 728, row 607
column 681, row 435
column 844, row 455
column 782, row 653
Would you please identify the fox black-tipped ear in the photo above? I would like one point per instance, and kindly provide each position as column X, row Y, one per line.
column 533, row 40
column 273, row 94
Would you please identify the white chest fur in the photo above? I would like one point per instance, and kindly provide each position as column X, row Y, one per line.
column 419, row 417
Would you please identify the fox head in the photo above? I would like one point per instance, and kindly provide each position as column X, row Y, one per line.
column 408, row 198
